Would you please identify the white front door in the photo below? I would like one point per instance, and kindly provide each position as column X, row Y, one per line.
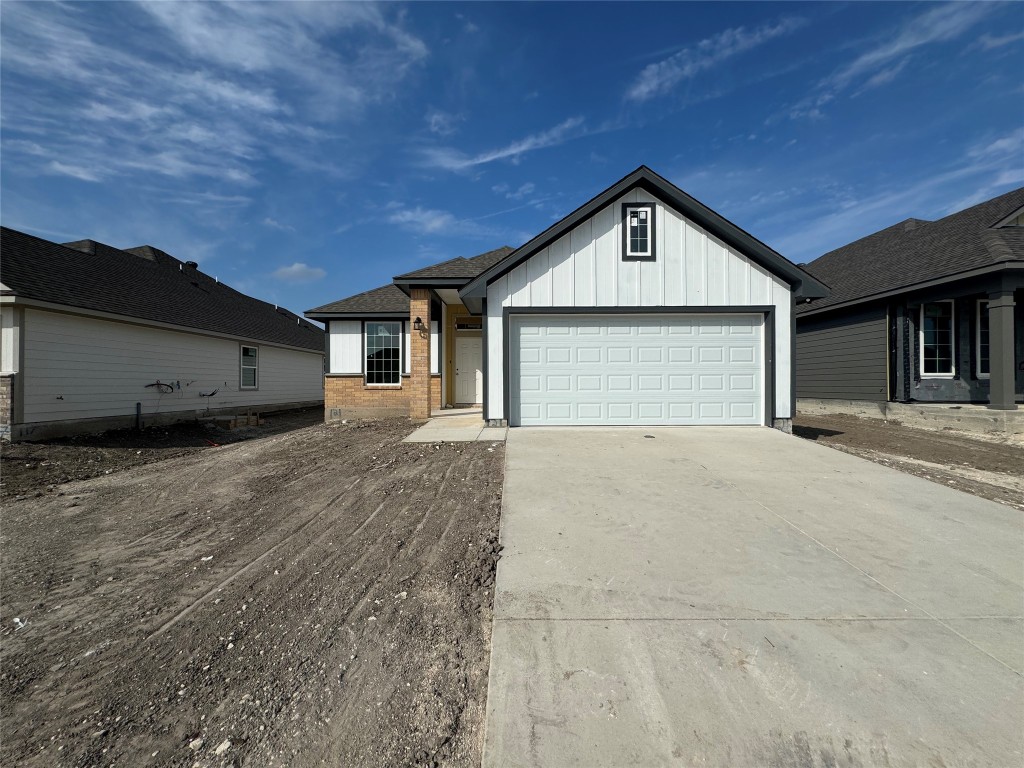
column 469, row 375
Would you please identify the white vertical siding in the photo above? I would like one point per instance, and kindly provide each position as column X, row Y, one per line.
column 407, row 347
column 80, row 368
column 345, row 346
column 584, row 268
column 8, row 341
column 435, row 347
column 495, row 359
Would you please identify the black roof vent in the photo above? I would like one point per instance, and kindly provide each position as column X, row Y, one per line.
column 192, row 264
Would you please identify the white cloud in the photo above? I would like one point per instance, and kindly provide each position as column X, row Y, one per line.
column 74, row 171
column 442, row 123
column 455, row 160
column 524, row 190
column 661, row 77
column 988, row 42
column 423, row 220
column 275, row 224
column 195, row 90
column 887, row 57
column 300, row 273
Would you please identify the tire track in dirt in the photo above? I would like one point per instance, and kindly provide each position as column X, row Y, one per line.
column 269, row 645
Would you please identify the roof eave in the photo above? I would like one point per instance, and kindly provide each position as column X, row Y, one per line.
column 1015, row 265
column 804, row 285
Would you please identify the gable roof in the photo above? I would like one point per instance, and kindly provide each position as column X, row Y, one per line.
column 143, row 283
column 459, row 267
column 388, row 299
column 392, row 300
column 804, row 285
column 915, row 251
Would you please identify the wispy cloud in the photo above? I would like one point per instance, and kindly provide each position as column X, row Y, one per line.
column 193, row 90
column 661, row 77
column 989, row 42
column 275, row 224
column 990, row 167
column 451, row 159
column 423, row 220
column 299, row 272
column 522, row 191
column 886, row 57
column 442, row 123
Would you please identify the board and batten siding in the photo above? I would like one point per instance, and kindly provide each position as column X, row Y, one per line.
column 345, row 346
column 843, row 356
column 82, row 368
column 584, row 268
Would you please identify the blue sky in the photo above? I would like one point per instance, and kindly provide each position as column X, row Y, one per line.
column 306, row 152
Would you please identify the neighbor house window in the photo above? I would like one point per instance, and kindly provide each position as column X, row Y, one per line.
column 638, row 232
column 250, row 367
column 937, row 339
column 982, row 340
column 383, row 353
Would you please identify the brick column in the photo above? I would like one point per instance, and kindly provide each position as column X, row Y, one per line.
column 1002, row 367
column 419, row 353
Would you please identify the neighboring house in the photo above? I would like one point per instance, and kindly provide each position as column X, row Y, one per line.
column 923, row 311
column 643, row 306
column 94, row 338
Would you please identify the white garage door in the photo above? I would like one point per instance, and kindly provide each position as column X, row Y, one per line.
column 636, row 369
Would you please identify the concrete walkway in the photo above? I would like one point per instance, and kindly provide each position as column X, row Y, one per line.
column 739, row 597
column 456, row 425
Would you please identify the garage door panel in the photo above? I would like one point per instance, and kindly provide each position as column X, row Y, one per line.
column 634, row 369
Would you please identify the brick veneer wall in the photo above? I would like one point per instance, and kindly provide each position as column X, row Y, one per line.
column 7, row 404
column 354, row 400
column 419, row 356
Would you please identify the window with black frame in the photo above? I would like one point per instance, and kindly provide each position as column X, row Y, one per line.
column 383, row 353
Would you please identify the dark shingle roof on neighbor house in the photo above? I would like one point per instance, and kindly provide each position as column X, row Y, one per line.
column 143, row 283
column 915, row 251
column 390, row 298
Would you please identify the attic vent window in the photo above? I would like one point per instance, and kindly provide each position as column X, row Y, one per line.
column 638, row 232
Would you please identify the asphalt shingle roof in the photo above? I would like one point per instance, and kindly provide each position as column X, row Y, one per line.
column 387, row 298
column 143, row 283
column 460, row 268
column 914, row 251
column 391, row 298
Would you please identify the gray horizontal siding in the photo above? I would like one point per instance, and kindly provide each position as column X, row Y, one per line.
column 843, row 357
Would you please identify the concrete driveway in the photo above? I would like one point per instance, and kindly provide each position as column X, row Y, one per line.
column 739, row 597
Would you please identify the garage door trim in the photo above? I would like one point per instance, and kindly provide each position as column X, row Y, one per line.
column 767, row 311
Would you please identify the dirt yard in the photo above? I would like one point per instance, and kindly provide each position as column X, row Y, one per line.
column 983, row 466
column 29, row 468
column 321, row 596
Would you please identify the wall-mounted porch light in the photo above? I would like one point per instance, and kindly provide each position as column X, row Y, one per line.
column 418, row 324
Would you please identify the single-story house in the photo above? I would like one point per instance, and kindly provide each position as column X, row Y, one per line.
column 641, row 307
column 921, row 312
column 94, row 338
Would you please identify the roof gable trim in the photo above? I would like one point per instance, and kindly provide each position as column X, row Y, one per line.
column 804, row 285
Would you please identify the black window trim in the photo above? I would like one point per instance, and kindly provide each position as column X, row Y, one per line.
column 651, row 232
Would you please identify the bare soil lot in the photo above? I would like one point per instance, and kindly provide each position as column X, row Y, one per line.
column 982, row 466
column 27, row 468
column 322, row 596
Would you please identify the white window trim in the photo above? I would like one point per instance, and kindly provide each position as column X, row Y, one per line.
column 920, row 341
column 401, row 355
column 242, row 366
column 977, row 341
column 648, row 208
